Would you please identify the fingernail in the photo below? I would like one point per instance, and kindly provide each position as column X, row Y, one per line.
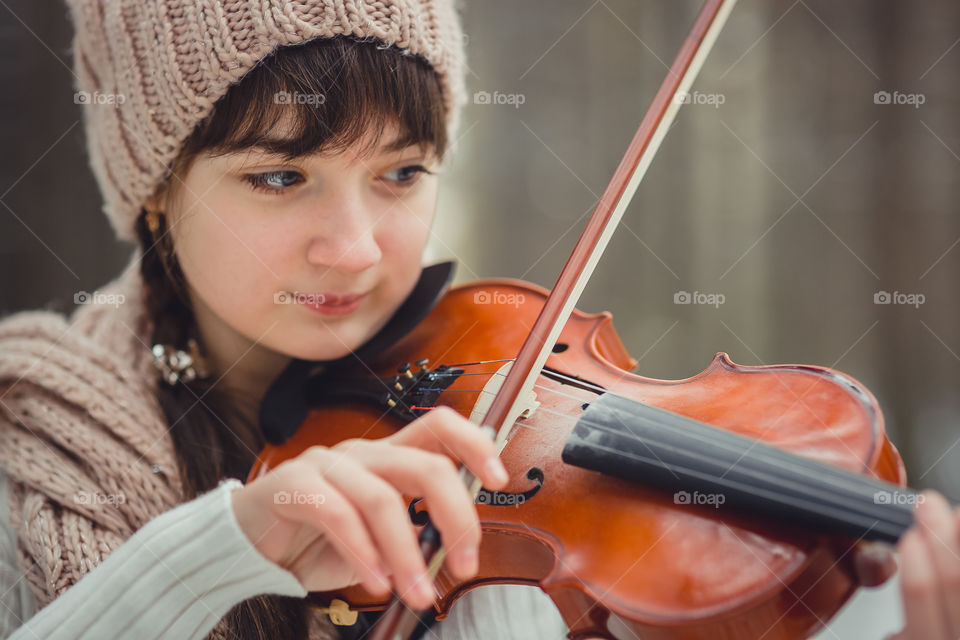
column 424, row 587
column 495, row 468
column 468, row 561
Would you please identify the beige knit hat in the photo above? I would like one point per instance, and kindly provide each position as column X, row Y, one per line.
column 148, row 71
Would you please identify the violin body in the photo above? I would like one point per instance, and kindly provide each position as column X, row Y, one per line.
column 619, row 559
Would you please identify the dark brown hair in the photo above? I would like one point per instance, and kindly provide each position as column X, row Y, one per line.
column 365, row 85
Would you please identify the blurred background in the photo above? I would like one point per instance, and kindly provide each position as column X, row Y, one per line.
column 803, row 209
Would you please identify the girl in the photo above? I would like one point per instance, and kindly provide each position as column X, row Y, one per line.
column 277, row 166
column 258, row 156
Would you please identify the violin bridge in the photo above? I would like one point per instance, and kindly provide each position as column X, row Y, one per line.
column 490, row 390
column 532, row 405
column 340, row 613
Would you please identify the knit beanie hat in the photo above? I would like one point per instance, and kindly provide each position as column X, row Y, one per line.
column 148, row 71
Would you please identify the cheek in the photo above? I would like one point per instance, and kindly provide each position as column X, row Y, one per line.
column 404, row 237
column 403, row 242
column 234, row 270
column 409, row 222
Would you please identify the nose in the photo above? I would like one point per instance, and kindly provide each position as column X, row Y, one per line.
column 346, row 241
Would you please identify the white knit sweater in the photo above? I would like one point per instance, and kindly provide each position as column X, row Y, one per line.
column 185, row 569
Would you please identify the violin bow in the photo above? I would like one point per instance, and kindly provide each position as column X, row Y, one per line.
column 398, row 621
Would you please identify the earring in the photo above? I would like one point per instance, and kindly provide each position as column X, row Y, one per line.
column 153, row 220
column 176, row 365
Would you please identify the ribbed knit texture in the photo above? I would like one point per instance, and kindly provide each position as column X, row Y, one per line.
column 151, row 70
column 82, row 438
column 175, row 578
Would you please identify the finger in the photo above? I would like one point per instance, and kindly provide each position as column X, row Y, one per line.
column 383, row 510
column 443, row 430
column 918, row 586
column 330, row 512
column 416, row 472
column 874, row 562
column 939, row 529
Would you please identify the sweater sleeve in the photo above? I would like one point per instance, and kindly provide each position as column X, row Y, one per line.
column 502, row 611
column 872, row 612
column 16, row 602
column 176, row 577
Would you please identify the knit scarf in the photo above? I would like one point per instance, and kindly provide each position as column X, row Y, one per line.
column 80, row 427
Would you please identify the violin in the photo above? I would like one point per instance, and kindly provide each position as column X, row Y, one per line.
column 723, row 506
column 586, row 517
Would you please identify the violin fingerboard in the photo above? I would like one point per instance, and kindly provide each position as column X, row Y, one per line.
column 627, row 439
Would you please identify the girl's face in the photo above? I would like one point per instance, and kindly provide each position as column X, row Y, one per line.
column 309, row 258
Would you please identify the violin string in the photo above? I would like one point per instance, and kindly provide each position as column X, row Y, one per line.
column 460, row 375
column 583, row 383
column 518, row 421
column 840, row 475
column 842, row 480
column 756, row 490
column 536, row 386
column 836, row 501
column 591, row 386
column 470, row 364
column 809, row 495
column 594, row 387
column 846, row 481
column 579, row 381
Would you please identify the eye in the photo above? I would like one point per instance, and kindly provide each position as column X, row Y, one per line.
column 406, row 176
column 275, row 182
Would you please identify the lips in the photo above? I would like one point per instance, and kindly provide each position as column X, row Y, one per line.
column 332, row 303
column 334, row 300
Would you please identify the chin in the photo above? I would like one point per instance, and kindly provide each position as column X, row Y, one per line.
column 320, row 344
column 307, row 339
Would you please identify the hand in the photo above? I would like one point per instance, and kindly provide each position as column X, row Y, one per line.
column 930, row 572
column 335, row 516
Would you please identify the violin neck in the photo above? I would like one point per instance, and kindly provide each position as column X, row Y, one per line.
column 624, row 438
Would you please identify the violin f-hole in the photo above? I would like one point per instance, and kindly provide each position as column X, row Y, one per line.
column 486, row 497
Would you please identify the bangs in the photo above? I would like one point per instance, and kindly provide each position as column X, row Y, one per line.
column 330, row 94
